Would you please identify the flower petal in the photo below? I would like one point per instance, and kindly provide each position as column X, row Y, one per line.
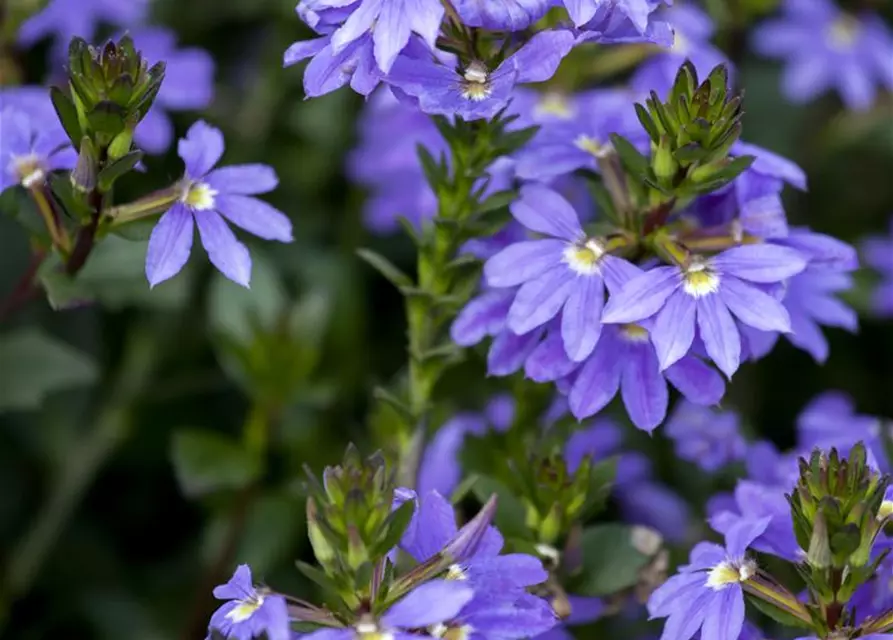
column 543, row 210
column 598, row 380
column 255, row 216
column 509, row 351
column 760, row 262
column 725, row 618
column 483, row 316
column 753, row 307
column 720, row 336
column 642, row 297
column 243, row 179
column 428, row 604
column 674, row 329
column 643, row 388
column 742, row 534
column 201, row 149
column 697, row 381
column 523, row 261
column 581, row 318
column 169, row 244
column 226, row 253
column 540, row 300
column 548, row 361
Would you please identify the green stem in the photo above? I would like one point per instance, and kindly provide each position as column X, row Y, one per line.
column 112, row 427
column 152, row 204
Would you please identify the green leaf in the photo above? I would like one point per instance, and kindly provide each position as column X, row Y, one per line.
column 647, row 122
column 36, row 365
column 68, row 114
column 115, row 274
column 611, row 562
column 601, row 479
column 435, row 170
column 394, row 528
column 777, row 614
column 205, row 462
column 237, row 313
column 118, row 168
column 634, row 162
column 383, row 395
column 498, row 200
column 511, row 142
column 511, row 516
column 386, row 268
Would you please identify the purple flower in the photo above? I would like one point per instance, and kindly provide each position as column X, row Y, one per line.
column 693, row 30
column 636, row 11
column 710, row 439
column 651, row 504
column 826, row 48
column 208, row 195
column 389, row 23
column 506, row 15
column 756, row 501
column 706, row 594
column 830, row 420
column 188, row 85
column 65, row 19
column 430, row 604
column 564, row 273
column 878, row 253
column 625, row 360
column 31, row 146
column 705, row 293
column 577, row 133
column 475, row 91
column 495, row 578
column 616, row 23
column 249, row 612
column 767, row 465
column 329, row 71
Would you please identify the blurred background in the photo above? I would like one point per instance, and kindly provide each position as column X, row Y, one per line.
column 152, row 441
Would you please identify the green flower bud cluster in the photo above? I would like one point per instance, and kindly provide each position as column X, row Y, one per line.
column 836, row 510
column 351, row 519
column 555, row 498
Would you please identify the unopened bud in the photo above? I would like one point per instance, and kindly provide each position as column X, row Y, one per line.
column 83, row 178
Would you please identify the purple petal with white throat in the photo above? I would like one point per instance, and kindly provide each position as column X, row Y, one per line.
column 201, row 149
column 243, row 179
column 540, row 300
column 719, row 333
column 543, row 210
column 226, row 253
column 169, row 244
column 523, row 261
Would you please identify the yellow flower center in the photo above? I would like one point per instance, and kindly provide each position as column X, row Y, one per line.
column 634, row 333
column 554, row 104
column 591, row 145
column 200, row 196
column 456, row 572
column 584, row 258
column 245, row 609
column 886, row 510
column 844, row 32
column 29, row 170
column 726, row 573
column 476, row 83
column 370, row 631
column 699, row 280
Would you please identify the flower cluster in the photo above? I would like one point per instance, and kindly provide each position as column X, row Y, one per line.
column 462, row 585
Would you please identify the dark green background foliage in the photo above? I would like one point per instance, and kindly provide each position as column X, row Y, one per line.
column 196, row 404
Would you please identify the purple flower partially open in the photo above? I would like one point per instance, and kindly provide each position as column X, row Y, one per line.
column 705, row 294
column 208, row 196
column 249, row 611
column 32, row 144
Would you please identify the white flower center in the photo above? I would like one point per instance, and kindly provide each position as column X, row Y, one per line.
column 245, row 609
column 456, row 572
column 548, row 552
column 476, row 84
column 843, row 32
column 634, row 333
column 584, row 258
column 699, row 280
column 554, row 104
column 200, row 196
column 591, row 145
column 29, row 170
column 450, row 633
column 726, row 573
column 681, row 45
column 370, row 631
